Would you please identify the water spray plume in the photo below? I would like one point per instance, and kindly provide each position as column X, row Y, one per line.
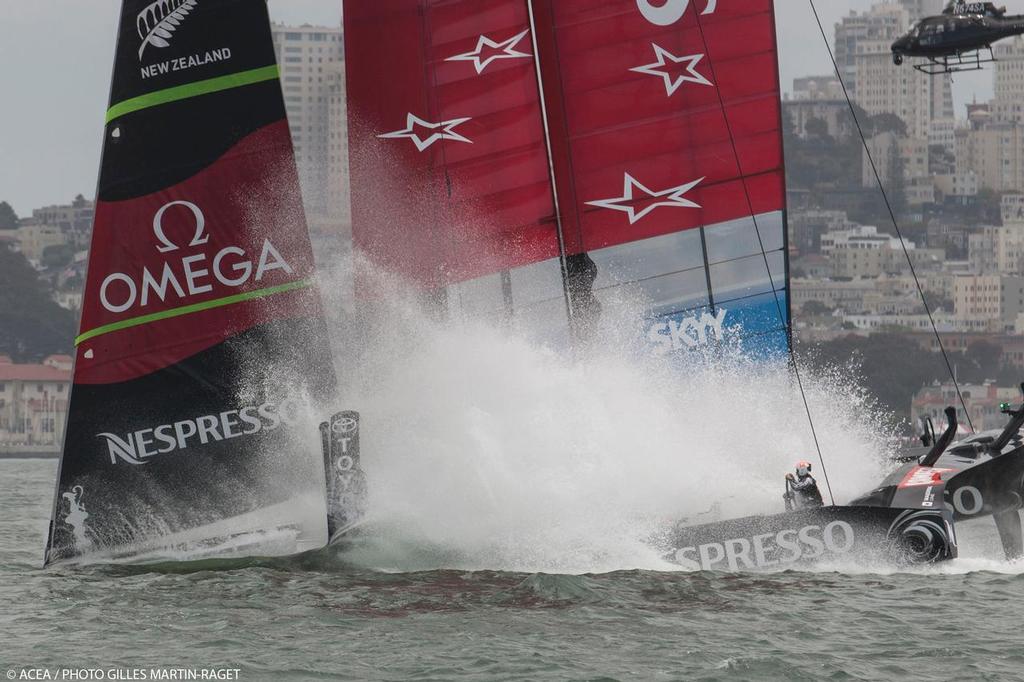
column 488, row 450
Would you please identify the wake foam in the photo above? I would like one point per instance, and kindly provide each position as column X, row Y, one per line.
column 485, row 449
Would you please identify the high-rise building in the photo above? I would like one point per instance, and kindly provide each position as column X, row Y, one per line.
column 918, row 9
column 1008, row 104
column 305, row 54
column 988, row 302
column 997, row 249
column 995, row 153
column 338, row 205
column 898, row 160
column 863, row 51
column 883, row 22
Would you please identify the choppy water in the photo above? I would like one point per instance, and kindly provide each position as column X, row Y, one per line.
column 323, row 618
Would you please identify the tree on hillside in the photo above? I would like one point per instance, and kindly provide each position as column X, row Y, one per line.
column 32, row 325
column 58, row 255
column 816, row 127
column 8, row 218
column 885, row 123
column 893, row 368
column 984, row 360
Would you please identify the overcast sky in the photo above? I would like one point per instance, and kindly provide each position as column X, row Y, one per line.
column 56, row 55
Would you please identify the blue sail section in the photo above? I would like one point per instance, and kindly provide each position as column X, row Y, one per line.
column 724, row 284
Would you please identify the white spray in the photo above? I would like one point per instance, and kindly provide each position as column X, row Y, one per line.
column 485, row 450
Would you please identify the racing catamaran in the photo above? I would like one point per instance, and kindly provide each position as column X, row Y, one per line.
column 565, row 151
column 202, row 346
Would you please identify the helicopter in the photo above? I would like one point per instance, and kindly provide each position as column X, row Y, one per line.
column 959, row 39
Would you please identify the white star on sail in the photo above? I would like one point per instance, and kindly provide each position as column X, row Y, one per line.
column 507, row 51
column 673, row 84
column 447, row 131
column 675, row 197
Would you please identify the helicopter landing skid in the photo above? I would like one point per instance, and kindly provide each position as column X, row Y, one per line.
column 974, row 60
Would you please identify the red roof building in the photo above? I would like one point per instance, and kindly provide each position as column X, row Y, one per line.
column 33, row 403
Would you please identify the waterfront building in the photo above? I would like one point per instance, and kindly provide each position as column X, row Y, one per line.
column 33, row 404
column 982, row 402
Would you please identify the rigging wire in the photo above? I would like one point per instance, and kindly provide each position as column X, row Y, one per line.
column 771, row 280
column 892, row 215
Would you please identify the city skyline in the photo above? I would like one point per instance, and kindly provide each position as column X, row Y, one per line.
column 51, row 141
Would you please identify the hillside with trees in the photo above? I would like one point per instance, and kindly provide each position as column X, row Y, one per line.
column 32, row 325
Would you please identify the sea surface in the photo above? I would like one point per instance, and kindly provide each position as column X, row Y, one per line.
column 322, row 618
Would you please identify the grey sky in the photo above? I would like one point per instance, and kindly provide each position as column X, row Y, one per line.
column 55, row 76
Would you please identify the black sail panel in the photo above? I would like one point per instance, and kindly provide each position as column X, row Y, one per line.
column 202, row 344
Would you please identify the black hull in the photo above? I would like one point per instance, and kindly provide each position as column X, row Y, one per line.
column 868, row 535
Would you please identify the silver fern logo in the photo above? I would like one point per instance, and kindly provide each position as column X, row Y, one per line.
column 159, row 20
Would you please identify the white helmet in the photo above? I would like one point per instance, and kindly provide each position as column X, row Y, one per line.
column 803, row 468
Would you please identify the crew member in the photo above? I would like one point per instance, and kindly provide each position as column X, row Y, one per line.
column 802, row 488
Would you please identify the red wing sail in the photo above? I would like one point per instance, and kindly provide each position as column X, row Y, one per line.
column 450, row 176
column 661, row 123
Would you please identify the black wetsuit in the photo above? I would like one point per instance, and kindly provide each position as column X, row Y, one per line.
column 805, row 489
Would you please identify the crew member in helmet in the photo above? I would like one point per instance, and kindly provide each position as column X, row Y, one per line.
column 801, row 489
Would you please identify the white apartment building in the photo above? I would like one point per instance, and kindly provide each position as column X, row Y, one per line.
column 997, row 250
column 862, row 48
column 891, row 152
column 962, row 184
column 35, row 237
column 913, row 322
column 923, row 8
column 807, row 226
column 339, row 209
column 988, row 303
column 883, row 22
column 942, row 133
column 864, row 236
column 1012, row 207
column 995, row 153
column 863, row 252
column 844, row 295
column 305, row 55
column 883, row 89
column 1008, row 104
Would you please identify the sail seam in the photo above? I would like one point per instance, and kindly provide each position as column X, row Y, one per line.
column 190, row 90
column 190, row 309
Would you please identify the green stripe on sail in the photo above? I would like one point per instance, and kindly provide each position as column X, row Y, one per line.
column 180, row 92
column 189, row 309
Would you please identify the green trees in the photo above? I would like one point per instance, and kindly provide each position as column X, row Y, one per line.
column 32, row 325
column 8, row 218
column 58, row 256
column 891, row 367
column 894, row 367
